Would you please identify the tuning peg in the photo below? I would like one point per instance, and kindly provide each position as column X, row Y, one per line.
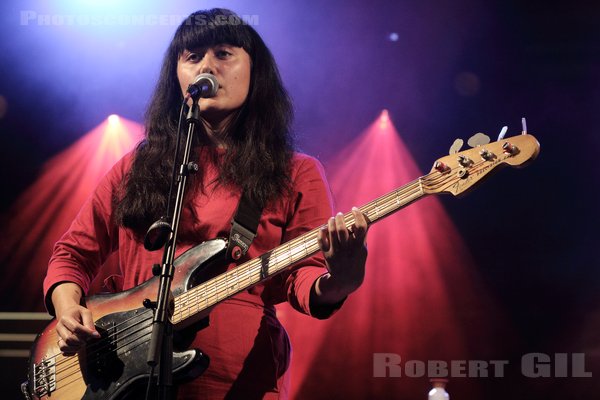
column 456, row 146
column 502, row 133
column 524, row 124
column 441, row 167
column 478, row 139
column 464, row 161
column 509, row 148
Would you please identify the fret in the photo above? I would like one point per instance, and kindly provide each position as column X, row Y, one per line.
column 313, row 244
column 304, row 246
column 377, row 209
column 276, row 259
column 203, row 297
column 390, row 204
column 237, row 278
column 290, row 254
column 227, row 283
column 285, row 258
column 184, row 308
column 256, row 272
column 248, row 273
column 253, row 270
column 216, row 290
column 264, row 268
column 192, row 304
column 273, row 260
column 296, row 253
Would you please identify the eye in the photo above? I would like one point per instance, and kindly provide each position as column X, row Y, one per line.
column 222, row 53
column 193, row 57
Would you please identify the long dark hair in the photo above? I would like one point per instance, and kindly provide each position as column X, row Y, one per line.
column 258, row 141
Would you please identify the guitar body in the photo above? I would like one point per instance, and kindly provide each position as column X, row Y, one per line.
column 114, row 366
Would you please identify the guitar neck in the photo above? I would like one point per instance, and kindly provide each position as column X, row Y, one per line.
column 252, row 272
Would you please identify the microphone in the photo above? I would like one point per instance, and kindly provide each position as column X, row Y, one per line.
column 205, row 85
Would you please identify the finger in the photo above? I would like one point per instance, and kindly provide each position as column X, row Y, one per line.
column 66, row 349
column 323, row 240
column 340, row 229
column 334, row 241
column 360, row 224
column 73, row 341
column 69, row 322
column 68, row 338
column 88, row 322
column 77, row 328
column 62, row 331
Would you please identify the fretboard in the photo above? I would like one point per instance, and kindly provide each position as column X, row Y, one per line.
column 252, row 272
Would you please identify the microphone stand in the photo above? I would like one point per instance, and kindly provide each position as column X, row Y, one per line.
column 161, row 341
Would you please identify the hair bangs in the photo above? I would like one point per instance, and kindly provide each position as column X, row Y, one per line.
column 213, row 27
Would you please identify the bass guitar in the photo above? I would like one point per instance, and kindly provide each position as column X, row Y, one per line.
column 114, row 366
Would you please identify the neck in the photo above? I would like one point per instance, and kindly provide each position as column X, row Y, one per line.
column 217, row 127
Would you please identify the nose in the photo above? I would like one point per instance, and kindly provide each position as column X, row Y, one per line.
column 208, row 63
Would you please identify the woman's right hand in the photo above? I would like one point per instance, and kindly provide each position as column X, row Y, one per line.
column 75, row 323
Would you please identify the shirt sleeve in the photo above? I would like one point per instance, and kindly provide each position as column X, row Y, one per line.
column 88, row 242
column 311, row 206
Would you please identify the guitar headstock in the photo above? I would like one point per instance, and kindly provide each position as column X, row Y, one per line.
column 459, row 172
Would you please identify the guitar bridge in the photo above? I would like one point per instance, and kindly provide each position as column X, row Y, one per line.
column 44, row 377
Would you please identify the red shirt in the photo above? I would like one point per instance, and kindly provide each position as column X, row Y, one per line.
column 248, row 347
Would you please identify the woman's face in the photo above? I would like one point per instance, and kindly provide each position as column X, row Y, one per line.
column 230, row 65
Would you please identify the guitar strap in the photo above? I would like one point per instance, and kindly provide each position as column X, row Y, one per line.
column 244, row 226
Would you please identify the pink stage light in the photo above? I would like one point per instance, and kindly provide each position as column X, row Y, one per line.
column 44, row 211
column 421, row 298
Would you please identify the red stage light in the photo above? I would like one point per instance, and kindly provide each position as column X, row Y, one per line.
column 420, row 292
column 44, row 211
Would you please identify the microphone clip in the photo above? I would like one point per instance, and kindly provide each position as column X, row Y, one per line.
column 158, row 234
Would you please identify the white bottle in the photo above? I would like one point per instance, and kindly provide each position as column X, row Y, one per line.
column 439, row 390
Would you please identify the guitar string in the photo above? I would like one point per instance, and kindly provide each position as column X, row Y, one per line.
column 218, row 288
column 473, row 168
column 98, row 346
column 289, row 252
column 114, row 333
column 290, row 249
column 122, row 348
column 281, row 254
column 249, row 271
column 89, row 360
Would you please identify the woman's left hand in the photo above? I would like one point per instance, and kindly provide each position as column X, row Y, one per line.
column 345, row 252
